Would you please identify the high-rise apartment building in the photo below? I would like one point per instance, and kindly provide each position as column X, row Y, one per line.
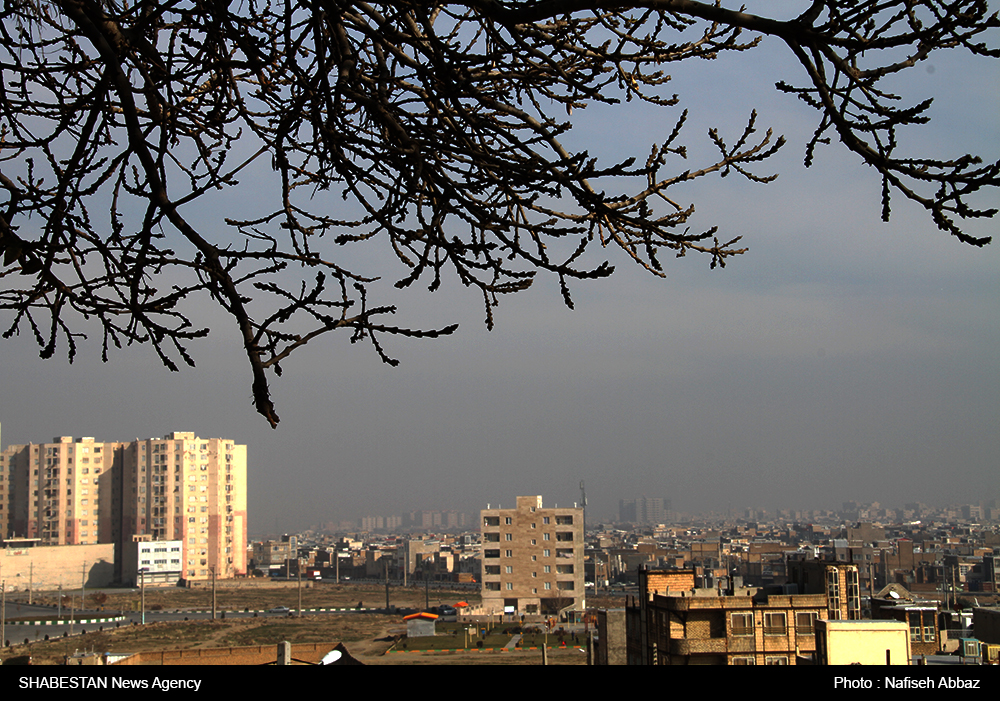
column 532, row 558
column 61, row 492
column 644, row 510
column 179, row 487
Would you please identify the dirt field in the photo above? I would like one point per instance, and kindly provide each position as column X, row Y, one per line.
column 371, row 638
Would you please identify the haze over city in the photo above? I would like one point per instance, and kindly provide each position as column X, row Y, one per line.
column 841, row 358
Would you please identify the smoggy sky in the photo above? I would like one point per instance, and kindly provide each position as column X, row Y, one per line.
column 841, row 358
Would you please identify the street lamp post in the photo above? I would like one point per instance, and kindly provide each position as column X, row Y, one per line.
column 142, row 595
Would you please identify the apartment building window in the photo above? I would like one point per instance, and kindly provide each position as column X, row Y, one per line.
column 508, row 553
column 805, row 623
column 507, row 520
column 853, row 595
column 743, row 661
column 742, row 623
column 510, row 586
column 776, row 660
column 508, row 536
column 775, row 624
column 833, row 594
column 928, row 633
column 546, row 536
column 508, row 569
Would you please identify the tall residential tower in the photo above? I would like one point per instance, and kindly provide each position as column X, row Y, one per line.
column 179, row 487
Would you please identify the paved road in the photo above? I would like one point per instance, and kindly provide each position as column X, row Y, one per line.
column 39, row 629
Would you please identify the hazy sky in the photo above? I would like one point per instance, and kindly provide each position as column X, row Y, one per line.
column 840, row 359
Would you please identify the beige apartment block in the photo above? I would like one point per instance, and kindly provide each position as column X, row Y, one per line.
column 61, row 492
column 532, row 559
column 6, row 502
column 179, row 487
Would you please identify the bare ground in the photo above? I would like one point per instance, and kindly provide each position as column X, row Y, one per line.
column 369, row 637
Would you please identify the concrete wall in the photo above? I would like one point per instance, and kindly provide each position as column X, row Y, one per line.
column 250, row 655
column 611, row 646
column 863, row 642
column 45, row 568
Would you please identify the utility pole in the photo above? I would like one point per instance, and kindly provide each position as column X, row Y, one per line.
column 142, row 596
column 298, row 567
column 386, row 584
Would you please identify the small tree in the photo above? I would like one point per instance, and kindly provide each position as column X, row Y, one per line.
column 439, row 122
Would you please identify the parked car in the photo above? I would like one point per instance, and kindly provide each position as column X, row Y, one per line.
column 279, row 609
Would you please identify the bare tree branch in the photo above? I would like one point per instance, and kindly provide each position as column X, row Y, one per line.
column 440, row 124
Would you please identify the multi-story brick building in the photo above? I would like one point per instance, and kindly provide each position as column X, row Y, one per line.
column 532, row 559
column 672, row 623
column 837, row 581
column 179, row 487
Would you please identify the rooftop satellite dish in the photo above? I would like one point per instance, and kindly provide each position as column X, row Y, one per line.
column 331, row 657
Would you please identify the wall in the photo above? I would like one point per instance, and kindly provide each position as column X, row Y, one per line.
column 47, row 567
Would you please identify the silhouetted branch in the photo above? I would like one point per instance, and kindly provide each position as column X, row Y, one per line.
column 439, row 123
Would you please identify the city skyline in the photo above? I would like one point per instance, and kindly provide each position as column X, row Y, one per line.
column 607, row 509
